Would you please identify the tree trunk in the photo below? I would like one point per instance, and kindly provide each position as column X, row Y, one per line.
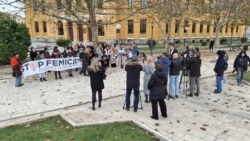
column 94, row 35
column 217, row 36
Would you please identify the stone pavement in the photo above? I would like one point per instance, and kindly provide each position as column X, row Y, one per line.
column 209, row 117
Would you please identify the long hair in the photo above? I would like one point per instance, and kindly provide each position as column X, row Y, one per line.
column 150, row 62
column 95, row 65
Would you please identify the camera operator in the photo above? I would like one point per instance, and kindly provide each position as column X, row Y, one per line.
column 186, row 68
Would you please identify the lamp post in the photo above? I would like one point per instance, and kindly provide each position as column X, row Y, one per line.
column 151, row 47
column 231, row 40
column 118, row 27
column 186, row 29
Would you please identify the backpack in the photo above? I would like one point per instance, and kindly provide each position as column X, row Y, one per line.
column 225, row 66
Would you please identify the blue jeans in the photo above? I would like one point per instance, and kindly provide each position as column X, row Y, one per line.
column 136, row 94
column 218, row 84
column 18, row 81
column 240, row 73
column 174, row 85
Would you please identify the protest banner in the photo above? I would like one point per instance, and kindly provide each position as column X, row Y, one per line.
column 58, row 64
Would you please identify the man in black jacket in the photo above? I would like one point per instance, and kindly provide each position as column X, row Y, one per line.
column 33, row 54
column 133, row 69
column 195, row 72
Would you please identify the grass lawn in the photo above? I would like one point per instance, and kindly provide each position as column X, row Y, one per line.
column 56, row 129
column 247, row 76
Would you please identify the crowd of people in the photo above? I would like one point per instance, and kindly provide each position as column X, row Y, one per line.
column 179, row 66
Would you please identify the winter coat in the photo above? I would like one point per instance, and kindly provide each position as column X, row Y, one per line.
column 16, row 66
column 85, row 60
column 33, row 55
column 175, row 66
column 133, row 69
column 56, row 54
column 241, row 62
column 195, row 66
column 219, row 66
column 165, row 63
column 147, row 75
column 96, row 80
column 157, row 85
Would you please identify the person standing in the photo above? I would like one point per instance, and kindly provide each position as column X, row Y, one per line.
column 173, row 50
column 219, row 70
column 241, row 63
column 41, row 56
column 46, row 53
column 157, row 85
column 121, row 56
column 195, row 72
column 69, row 54
column 56, row 54
column 96, row 74
column 16, row 66
column 33, row 54
column 133, row 69
column 99, row 51
column 112, row 56
column 148, row 69
column 175, row 68
column 135, row 49
column 85, row 61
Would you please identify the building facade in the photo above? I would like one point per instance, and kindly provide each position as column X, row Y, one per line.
column 138, row 28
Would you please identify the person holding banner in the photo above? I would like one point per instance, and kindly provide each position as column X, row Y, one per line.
column 56, row 54
column 97, row 75
column 69, row 54
column 41, row 56
column 17, row 69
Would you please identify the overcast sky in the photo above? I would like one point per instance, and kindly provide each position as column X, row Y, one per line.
column 14, row 8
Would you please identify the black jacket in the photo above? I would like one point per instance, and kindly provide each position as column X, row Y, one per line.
column 96, row 80
column 175, row 66
column 195, row 66
column 157, row 85
column 33, row 55
column 173, row 52
column 133, row 69
column 241, row 62
column 85, row 60
column 219, row 66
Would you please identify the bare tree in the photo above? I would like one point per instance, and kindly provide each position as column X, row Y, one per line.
column 87, row 12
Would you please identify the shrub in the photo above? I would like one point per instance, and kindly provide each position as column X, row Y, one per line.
column 223, row 41
column 245, row 47
column 204, row 43
column 14, row 37
column 63, row 42
column 150, row 41
column 243, row 40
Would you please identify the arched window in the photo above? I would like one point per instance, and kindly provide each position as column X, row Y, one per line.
column 100, row 28
column 60, row 28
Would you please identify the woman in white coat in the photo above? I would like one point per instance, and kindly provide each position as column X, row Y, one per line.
column 121, row 56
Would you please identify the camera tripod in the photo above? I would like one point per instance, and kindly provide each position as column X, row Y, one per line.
column 184, row 76
column 124, row 105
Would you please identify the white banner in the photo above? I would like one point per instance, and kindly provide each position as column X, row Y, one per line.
column 59, row 64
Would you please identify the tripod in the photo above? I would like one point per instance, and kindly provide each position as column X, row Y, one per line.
column 184, row 76
column 124, row 105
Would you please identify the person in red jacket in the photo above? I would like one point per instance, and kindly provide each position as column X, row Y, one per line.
column 17, row 69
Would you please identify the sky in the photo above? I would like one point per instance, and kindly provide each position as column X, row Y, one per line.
column 13, row 9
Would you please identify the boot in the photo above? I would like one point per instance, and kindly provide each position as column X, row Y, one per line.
column 93, row 105
column 41, row 80
column 146, row 100
column 44, row 79
column 100, row 104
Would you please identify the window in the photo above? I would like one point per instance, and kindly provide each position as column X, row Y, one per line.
column 44, row 27
column 100, row 29
column 69, row 4
column 144, row 3
column 221, row 29
column 143, row 26
column 214, row 27
column 59, row 4
column 208, row 28
column 36, row 27
column 60, row 28
column 193, row 27
column 100, row 3
column 176, row 26
column 130, row 26
column 226, row 30
column 185, row 26
column 167, row 27
column 131, row 3
column 237, row 29
column 201, row 27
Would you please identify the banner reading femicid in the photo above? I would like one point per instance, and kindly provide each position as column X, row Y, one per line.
column 59, row 64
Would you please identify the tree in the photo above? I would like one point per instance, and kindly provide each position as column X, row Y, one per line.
column 63, row 42
column 92, row 13
column 13, row 37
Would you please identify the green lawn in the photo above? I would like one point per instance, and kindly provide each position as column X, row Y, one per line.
column 247, row 76
column 56, row 129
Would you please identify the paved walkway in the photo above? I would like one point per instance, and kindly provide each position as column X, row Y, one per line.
column 208, row 117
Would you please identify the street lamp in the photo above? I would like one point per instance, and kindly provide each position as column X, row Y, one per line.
column 118, row 27
column 151, row 47
column 186, row 29
column 231, row 41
